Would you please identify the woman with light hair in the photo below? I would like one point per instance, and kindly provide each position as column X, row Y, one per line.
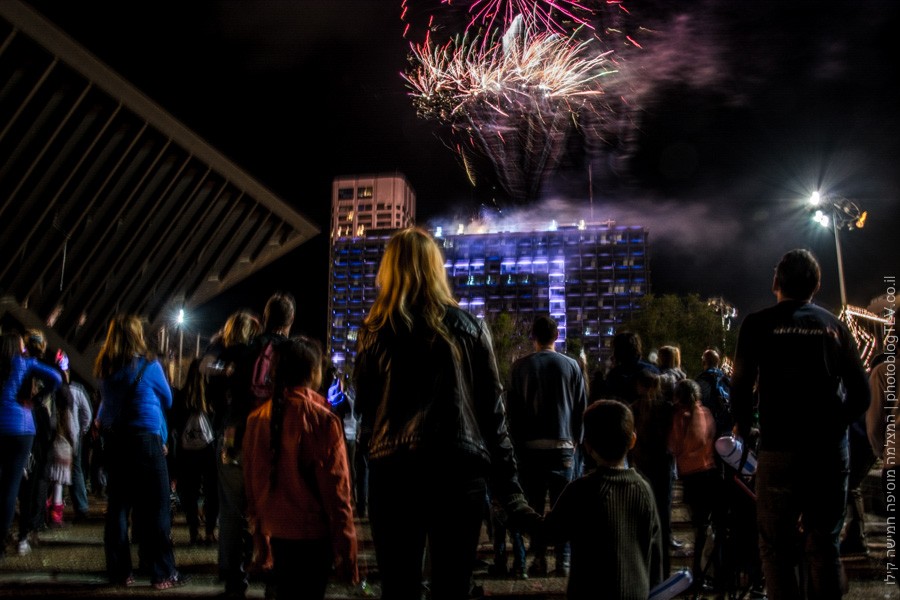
column 669, row 361
column 135, row 397
column 429, row 392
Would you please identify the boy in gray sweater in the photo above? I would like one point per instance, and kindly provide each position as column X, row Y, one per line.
column 609, row 515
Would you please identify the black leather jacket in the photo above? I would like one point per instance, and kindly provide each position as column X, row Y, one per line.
column 416, row 396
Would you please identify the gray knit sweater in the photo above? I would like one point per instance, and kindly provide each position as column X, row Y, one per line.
column 610, row 518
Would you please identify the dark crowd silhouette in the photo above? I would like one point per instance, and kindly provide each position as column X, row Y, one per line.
column 275, row 454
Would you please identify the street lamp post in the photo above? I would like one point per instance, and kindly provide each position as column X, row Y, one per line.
column 844, row 215
column 840, row 261
column 180, row 323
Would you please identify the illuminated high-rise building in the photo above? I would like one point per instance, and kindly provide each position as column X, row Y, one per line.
column 365, row 210
column 589, row 276
column 363, row 202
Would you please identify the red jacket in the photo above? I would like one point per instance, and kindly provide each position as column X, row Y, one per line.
column 312, row 497
column 692, row 440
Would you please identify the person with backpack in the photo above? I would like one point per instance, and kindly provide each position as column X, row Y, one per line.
column 227, row 383
column 247, row 368
column 715, row 390
column 195, row 463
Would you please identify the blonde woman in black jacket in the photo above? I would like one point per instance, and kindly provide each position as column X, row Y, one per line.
column 428, row 389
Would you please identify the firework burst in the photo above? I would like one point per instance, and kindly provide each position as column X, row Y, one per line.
column 438, row 20
column 513, row 99
column 552, row 15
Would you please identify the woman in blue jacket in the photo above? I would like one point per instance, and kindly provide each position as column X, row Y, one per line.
column 16, row 420
column 135, row 396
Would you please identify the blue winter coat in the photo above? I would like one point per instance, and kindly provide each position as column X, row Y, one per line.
column 150, row 405
column 16, row 418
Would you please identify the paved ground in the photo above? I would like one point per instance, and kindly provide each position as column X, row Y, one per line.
column 69, row 564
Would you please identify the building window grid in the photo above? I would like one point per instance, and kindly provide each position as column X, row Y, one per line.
column 520, row 268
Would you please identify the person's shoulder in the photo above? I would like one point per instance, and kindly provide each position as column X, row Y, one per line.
column 325, row 423
column 313, row 403
column 824, row 314
column 642, row 365
column 756, row 315
column 153, row 368
column 78, row 391
column 634, row 477
column 567, row 360
column 462, row 321
column 260, row 413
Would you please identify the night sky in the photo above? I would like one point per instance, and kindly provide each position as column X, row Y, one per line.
column 739, row 111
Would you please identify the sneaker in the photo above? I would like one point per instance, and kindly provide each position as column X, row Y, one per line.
column 538, row 568
column 561, row 571
column 24, row 548
column 176, row 580
column 519, row 573
column 127, row 581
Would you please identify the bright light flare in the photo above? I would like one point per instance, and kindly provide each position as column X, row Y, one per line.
column 815, row 199
column 180, row 318
column 821, row 218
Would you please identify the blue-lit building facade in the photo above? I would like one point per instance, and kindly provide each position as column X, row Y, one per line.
column 589, row 277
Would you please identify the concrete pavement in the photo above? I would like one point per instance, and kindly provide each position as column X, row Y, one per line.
column 69, row 563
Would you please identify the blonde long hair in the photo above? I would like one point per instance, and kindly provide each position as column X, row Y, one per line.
column 411, row 282
column 241, row 327
column 124, row 339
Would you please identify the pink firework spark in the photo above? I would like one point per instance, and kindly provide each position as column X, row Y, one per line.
column 500, row 13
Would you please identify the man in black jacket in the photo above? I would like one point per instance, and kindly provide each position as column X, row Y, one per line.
column 806, row 369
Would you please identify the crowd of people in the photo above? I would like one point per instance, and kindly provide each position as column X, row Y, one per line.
column 275, row 453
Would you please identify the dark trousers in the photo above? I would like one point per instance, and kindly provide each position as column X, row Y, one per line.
column 361, row 479
column 861, row 461
column 14, row 451
column 78, row 489
column 498, row 537
column 302, row 567
column 790, row 485
column 235, row 541
column 703, row 495
column 543, row 474
column 33, row 491
column 137, row 483
column 198, row 472
column 412, row 501
column 661, row 477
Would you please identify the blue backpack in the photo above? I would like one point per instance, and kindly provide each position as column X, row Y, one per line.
column 715, row 388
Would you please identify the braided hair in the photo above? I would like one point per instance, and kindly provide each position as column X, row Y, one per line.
column 298, row 363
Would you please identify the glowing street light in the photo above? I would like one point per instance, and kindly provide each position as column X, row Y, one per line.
column 845, row 214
